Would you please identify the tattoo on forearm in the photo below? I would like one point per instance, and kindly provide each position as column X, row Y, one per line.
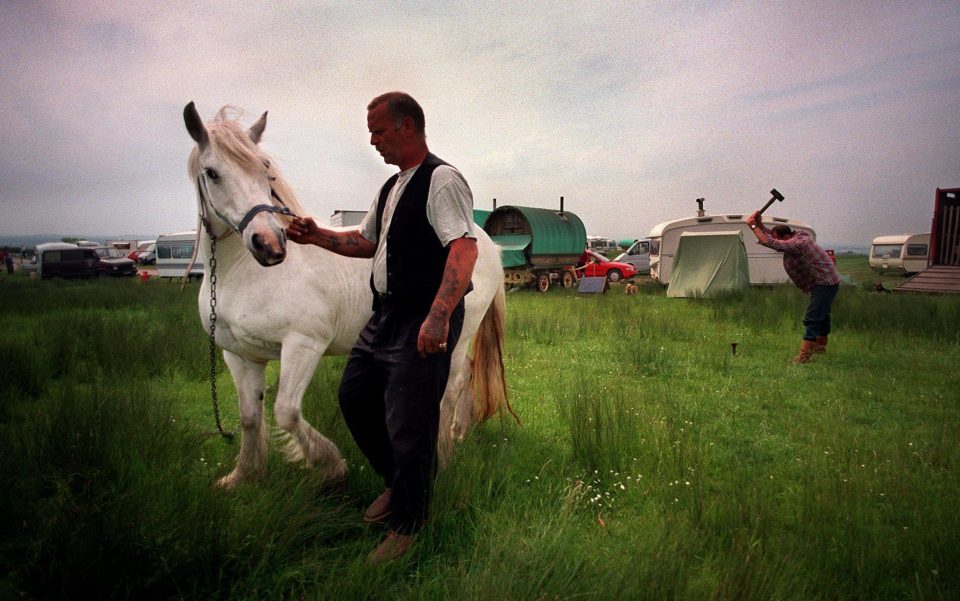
column 336, row 241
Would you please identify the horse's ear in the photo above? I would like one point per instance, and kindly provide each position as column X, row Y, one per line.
column 256, row 130
column 194, row 123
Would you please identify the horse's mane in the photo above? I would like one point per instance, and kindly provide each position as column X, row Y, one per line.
column 231, row 142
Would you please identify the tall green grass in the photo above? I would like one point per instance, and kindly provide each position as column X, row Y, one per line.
column 653, row 463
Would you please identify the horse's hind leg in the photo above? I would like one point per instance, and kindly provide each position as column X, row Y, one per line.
column 297, row 364
column 248, row 376
column 455, row 407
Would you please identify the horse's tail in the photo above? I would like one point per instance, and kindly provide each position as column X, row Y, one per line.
column 487, row 376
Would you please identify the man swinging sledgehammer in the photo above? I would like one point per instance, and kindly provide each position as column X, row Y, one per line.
column 812, row 270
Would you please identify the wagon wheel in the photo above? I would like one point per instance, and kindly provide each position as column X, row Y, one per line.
column 567, row 278
column 614, row 276
column 543, row 281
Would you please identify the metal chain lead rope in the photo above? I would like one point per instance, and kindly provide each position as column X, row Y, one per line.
column 213, row 338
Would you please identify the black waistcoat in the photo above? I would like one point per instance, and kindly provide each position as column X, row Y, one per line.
column 415, row 257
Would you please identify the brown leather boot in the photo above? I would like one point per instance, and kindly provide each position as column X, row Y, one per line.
column 820, row 344
column 379, row 510
column 806, row 352
column 394, row 546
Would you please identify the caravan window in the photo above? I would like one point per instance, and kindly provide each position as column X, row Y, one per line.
column 887, row 250
column 916, row 250
column 180, row 250
column 655, row 247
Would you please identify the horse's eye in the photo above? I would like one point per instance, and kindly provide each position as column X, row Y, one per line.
column 212, row 174
column 266, row 164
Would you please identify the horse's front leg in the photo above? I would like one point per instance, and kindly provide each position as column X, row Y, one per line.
column 298, row 361
column 248, row 377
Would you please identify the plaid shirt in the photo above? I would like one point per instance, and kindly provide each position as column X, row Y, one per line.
column 807, row 264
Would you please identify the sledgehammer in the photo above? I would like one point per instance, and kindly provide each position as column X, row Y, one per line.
column 776, row 196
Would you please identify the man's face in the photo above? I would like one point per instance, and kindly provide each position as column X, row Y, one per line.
column 384, row 135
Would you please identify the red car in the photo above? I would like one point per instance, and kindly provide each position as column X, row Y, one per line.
column 593, row 264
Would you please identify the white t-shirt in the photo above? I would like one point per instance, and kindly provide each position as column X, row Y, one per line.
column 449, row 211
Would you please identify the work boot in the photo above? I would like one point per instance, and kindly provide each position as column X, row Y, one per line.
column 379, row 510
column 806, row 352
column 820, row 344
column 393, row 546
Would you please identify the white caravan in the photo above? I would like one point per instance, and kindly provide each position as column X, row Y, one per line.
column 766, row 265
column 174, row 252
column 903, row 253
column 601, row 245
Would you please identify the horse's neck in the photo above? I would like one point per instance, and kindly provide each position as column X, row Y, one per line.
column 228, row 248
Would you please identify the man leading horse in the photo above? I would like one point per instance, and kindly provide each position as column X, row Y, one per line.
column 420, row 233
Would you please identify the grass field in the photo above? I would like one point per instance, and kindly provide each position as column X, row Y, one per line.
column 652, row 463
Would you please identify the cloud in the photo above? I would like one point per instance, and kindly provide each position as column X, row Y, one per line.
column 628, row 110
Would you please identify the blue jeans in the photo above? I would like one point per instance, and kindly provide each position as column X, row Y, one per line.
column 816, row 321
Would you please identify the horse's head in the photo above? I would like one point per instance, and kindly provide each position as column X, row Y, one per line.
column 237, row 186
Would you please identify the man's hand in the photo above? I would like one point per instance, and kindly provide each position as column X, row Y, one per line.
column 303, row 230
column 349, row 243
column 433, row 334
column 456, row 277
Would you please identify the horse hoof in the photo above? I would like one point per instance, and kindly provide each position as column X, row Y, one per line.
column 339, row 473
column 337, row 483
column 230, row 481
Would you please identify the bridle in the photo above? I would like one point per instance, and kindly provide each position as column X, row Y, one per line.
column 247, row 218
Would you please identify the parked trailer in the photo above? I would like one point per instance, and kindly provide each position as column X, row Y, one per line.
column 942, row 274
column 766, row 265
column 174, row 252
column 537, row 246
column 945, row 234
column 121, row 248
column 601, row 245
column 903, row 253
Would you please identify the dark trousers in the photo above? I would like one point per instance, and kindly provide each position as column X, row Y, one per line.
column 816, row 321
column 390, row 398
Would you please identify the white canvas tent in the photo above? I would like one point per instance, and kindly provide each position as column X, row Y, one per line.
column 765, row 264
column 709, row 263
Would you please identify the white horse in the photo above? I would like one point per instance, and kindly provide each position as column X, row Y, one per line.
column 297, row 303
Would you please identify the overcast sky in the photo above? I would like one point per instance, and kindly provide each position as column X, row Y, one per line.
column 629, row 110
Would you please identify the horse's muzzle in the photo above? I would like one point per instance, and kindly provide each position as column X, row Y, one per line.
column 268, row 253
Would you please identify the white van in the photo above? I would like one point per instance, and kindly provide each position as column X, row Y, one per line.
column 147, row 252
column 766, row 264
column 638, row 255
column 903, row 253
column 174, row 252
